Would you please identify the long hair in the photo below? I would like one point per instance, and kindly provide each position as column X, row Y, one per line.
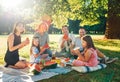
column 89, row 41
column 38, row 47
column 16, row 24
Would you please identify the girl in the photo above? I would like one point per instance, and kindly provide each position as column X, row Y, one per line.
column 89, row 56
column 14, row 44
column 35, row 55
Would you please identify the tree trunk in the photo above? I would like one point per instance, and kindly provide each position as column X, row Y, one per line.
column 113, row 21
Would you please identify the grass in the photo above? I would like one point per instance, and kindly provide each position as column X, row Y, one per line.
column 111, row 48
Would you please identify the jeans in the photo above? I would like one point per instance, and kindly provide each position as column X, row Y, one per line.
column 48, row 51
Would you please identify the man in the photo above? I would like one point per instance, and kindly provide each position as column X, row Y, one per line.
column 78, row 44
column 66, row 42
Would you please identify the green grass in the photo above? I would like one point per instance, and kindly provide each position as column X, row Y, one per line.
column 111, row 48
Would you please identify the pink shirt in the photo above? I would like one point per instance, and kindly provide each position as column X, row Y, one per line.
column 91, row 62
column 93, row 59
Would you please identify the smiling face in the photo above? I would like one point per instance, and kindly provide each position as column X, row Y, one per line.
column 36, row 41
column 87, row 42
column 82, row 32
column 65, row 30
column 84, row 43
column 19, row 28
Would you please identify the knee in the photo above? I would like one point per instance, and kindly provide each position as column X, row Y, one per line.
column 49, row 52
column 23, row 66
column 75, row 62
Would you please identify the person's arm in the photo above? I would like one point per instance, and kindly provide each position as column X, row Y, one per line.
column 100, row 54
column 11, row 43
column 62, row 41
column 77, row 52
column 35, row 52
column 47, row 38
column 46, row 45
column 62, row 44
column 42, row 49
column 72, row 41
column 72, row 49
column 87, row 55
column 25, row 42
column 84, row 56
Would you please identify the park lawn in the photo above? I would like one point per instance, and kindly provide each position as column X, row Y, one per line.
column 110, row 48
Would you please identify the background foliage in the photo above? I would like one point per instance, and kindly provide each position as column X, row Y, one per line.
column 75, row 13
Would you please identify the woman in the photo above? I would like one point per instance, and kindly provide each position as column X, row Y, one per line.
column 14, row 44
column 42, row 33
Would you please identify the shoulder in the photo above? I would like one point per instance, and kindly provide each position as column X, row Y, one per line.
column 77, row 38
column 71, row 34
column 36, row 34
column 11, row 36
column 33, row 47
column 90, row 50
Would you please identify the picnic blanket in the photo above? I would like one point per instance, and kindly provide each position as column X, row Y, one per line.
column 59, row 70
column 22, row 75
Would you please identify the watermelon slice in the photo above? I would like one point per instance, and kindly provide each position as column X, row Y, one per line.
column 46, row 46
column 65, row 37
column 67, row 59
column 50, row 65
column 35, row 68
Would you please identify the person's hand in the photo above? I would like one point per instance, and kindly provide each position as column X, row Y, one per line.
column 69, row 39
column 42, row 49
column 72, row 52
column 46, row 46
column 77, row 52
column 65, row 37
column 25, row 42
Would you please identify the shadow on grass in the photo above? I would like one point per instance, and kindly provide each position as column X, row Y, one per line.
column 110, row 53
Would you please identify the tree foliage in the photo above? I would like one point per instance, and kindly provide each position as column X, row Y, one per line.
column 88, row 11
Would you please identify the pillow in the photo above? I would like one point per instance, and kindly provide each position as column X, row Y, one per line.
column 85, row 69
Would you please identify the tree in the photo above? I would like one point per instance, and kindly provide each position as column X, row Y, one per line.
column 88, row 11
column 113, row 21
column 74, row 25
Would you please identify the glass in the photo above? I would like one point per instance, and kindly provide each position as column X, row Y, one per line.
column 54, row 56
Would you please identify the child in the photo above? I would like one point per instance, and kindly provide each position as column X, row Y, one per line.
column 35, row 55
column 89, row 55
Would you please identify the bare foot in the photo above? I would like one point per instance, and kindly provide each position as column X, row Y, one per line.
column 11, row 66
